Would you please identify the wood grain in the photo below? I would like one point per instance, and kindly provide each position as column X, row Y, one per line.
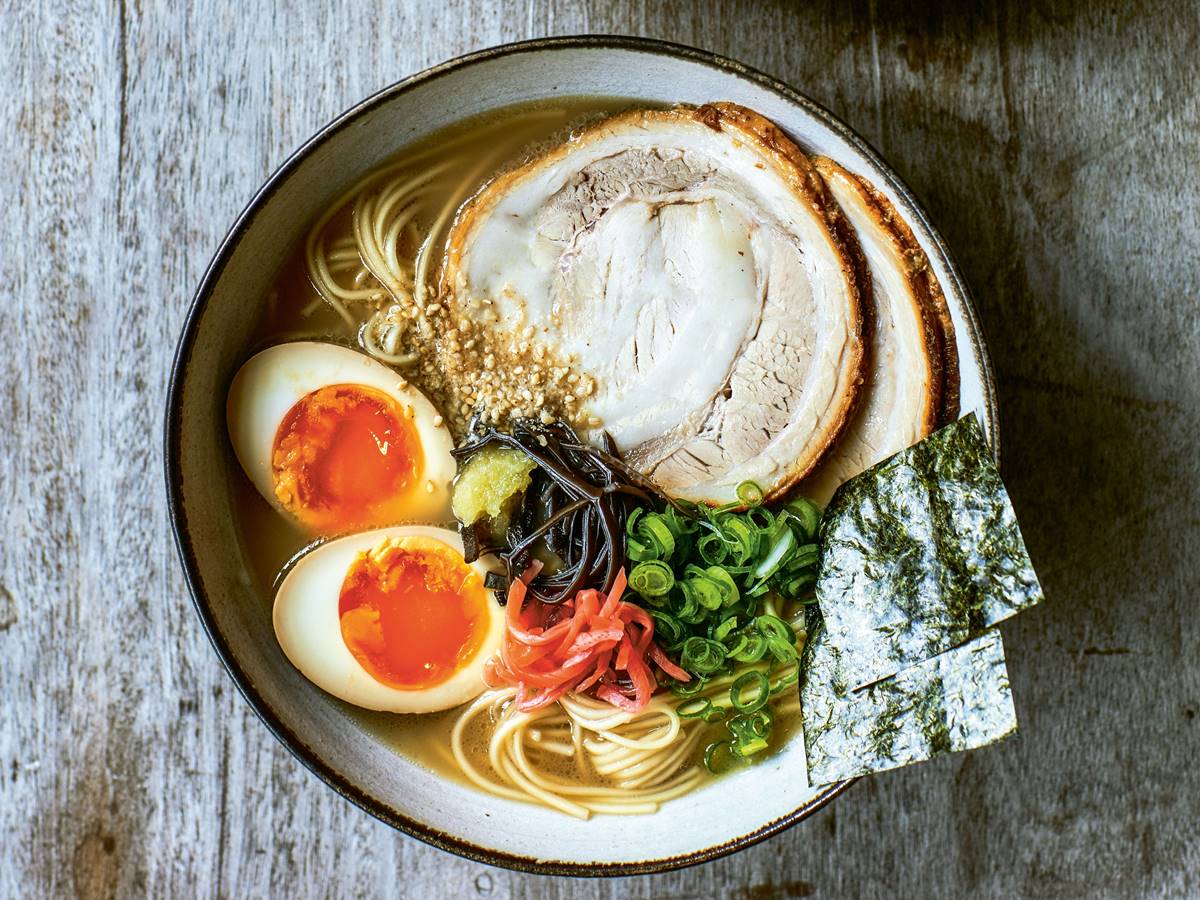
column 1055, row 144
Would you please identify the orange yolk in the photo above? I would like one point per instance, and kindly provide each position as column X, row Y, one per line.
column 412, row 612
column 345, row 458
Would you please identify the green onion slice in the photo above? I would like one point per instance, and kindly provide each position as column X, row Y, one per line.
column 695, row 708
column 750, row 692
column 755, row 724
column 656, row 528
column 689, row 609
column 712, row 549
column 750, row 647
column 749, row 747
column 724, row 628
column 742, row 538
column 668, row 632
column 806, row 513
column 724, row 581
column 751, row 732
column 652, row 578
column 702, row 655
column 783, row 541
column 782, row 650
column 688, row 688
column 785, row 677
column 761, row 518
column 749, row 493
column 719, row 757
column 773, row 626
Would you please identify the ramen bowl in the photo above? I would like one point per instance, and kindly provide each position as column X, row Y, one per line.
column 728, row 814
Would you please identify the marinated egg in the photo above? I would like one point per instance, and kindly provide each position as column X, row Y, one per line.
column 339, row 441
column 392, row 619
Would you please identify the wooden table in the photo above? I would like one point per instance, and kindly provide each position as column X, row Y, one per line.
column 1056, row 146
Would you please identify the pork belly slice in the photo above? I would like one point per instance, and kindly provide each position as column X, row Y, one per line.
column 912, row 373
column 689, row 261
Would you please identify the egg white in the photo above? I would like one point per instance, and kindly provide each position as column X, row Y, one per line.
column 272, row 381
column 308, row 628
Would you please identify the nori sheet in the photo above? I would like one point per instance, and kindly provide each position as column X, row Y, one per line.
column 958, row 700
column 919, row 554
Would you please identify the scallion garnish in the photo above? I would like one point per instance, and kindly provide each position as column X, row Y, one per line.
column 749, row 493
column 704, row 575
column 719, row 757
column 652, row 578
column 750, row 691
column 701, row 656
column 696, row 708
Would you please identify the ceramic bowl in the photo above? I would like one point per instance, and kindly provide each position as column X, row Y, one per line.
column 731, row 813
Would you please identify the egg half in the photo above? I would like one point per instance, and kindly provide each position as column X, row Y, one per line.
column 338, row 441
column 392, row 619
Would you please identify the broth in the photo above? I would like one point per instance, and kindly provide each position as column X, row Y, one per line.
column 293, row 310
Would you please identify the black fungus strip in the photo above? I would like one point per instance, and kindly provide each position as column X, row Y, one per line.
column 575, row 510
column 471, row 539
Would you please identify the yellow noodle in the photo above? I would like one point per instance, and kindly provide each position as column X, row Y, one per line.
column 516, row 737
column 625, row 763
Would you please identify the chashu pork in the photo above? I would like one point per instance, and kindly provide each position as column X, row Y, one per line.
column 912, row 377
column 689, row 263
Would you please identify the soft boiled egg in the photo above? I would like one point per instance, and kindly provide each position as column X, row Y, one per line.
column 392, row 619
column 339, row 441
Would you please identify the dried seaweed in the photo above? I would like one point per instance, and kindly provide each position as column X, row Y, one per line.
column 920, row 554
column 957, row 700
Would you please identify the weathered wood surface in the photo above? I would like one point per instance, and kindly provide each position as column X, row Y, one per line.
column 1056, row 144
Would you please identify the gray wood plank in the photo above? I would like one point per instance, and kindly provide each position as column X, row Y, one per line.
column 1054, row 143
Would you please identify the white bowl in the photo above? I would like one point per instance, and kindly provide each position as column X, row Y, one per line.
column 733, row 812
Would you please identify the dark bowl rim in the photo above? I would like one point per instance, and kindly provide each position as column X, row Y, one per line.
column 173, row 438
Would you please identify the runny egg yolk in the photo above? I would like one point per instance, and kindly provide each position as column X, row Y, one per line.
column 345, row 458
column 412, row 612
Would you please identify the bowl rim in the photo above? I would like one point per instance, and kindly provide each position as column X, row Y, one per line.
column 172, row 436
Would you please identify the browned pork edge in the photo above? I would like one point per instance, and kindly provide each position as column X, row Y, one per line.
column 790, row 163
column 884, row 216
column 928, row 288
column 841, row 227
